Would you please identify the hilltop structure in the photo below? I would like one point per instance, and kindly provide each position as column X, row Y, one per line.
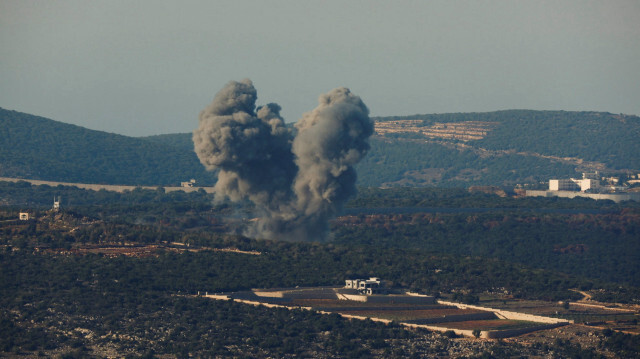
column 591, row 185
column 588, row 182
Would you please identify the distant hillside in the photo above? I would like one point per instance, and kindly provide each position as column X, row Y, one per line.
column 39, row 148
column 462, row 149
column 180, row 141
column 498, row 148
column 502, row 148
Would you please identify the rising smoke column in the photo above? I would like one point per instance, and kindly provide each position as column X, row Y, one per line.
column 316, row 173
column 331, row 139
column 251, row 150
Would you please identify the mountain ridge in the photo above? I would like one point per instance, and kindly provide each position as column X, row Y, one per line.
column 502, row 148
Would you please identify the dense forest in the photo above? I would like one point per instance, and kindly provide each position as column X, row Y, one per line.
column 583, row 237
column 603, row 247
column 520, row 147
column 592, row 240
column 61, row 295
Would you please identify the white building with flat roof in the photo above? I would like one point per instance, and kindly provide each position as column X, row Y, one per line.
column 563, row 185
column 587, row 183
column 369, row 286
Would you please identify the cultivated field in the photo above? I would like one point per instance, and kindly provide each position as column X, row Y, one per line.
column 494, row 324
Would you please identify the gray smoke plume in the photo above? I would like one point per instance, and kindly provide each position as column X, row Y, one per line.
column 297, row 183
column 252, row 150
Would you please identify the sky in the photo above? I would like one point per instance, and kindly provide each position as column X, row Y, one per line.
column 148, row 67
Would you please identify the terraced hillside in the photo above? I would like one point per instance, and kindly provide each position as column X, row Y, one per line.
column 463, row 131
column 499, row 148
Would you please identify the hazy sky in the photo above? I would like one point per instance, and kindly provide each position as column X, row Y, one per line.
column 149, row 67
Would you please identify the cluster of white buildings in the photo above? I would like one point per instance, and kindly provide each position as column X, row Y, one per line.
column 591, row 185
column 590, row 182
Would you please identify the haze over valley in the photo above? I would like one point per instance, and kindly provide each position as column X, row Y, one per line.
column 336, row 179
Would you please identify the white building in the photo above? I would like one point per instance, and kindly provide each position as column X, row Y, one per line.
column 588, row 182
column 563, row 185
column 369, row 286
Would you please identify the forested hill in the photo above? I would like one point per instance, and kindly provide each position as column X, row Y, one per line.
column 39, row 148
column 590, row 136
column 492, row 148
column 461, row 149
column 501, row 148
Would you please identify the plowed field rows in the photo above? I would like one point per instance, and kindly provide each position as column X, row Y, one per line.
column 335, row 303
column 401, row 315
column 495, row 324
